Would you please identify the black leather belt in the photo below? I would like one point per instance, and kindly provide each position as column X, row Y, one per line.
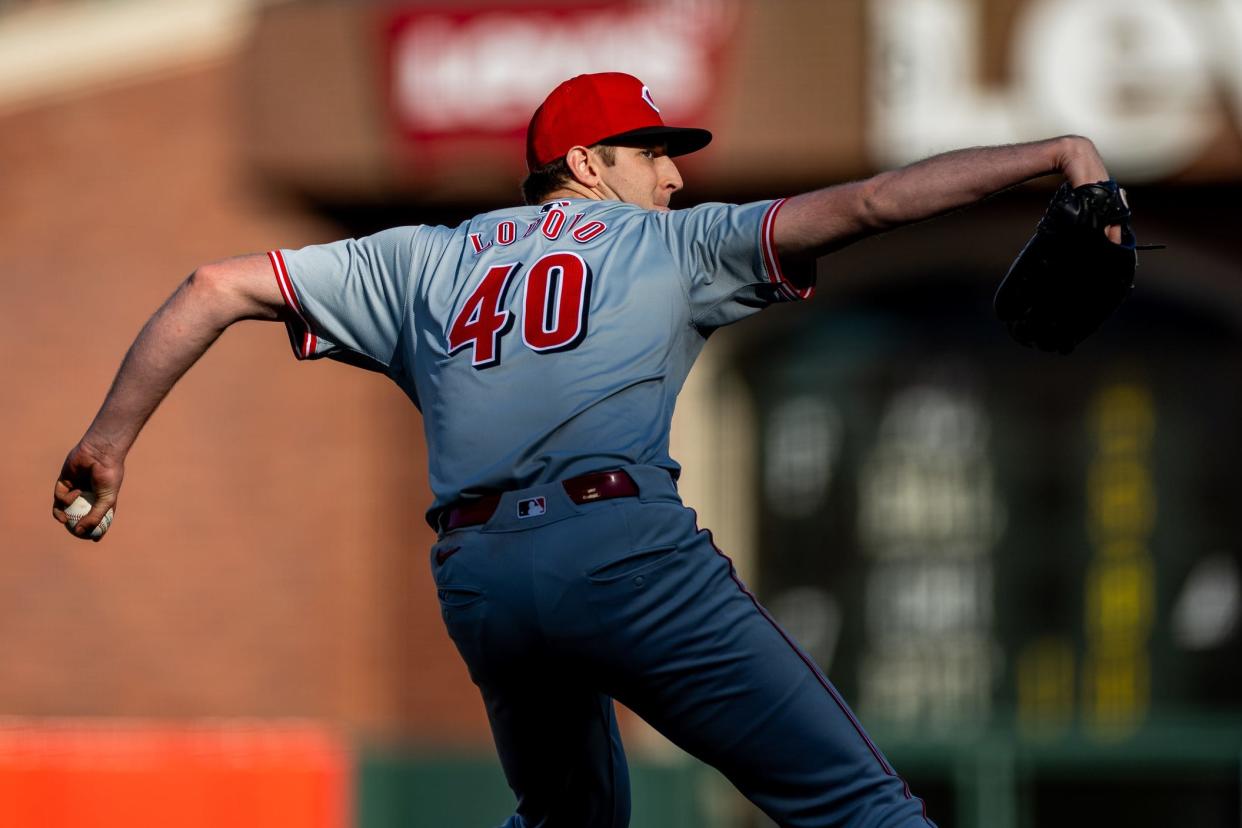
column 586, row 488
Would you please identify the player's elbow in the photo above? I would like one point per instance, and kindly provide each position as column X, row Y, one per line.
column 216, row 292
column 212, row 283
column 232, row 290
column 208, row 278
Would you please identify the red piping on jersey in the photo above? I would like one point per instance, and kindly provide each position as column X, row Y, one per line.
column 309, row 340
column 815, row 671
column 772, row 261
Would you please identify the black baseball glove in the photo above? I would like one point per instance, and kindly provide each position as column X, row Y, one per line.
column 1069, row 277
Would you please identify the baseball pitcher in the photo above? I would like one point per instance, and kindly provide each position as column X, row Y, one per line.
column 545, row 345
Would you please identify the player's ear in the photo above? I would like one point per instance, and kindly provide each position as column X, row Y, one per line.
column 582, row 166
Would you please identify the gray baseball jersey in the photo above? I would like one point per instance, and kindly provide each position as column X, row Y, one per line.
column 539, row 342
column 543, row 343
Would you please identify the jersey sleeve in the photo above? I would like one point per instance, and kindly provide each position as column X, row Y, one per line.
column 349, row 298
column 727, row 254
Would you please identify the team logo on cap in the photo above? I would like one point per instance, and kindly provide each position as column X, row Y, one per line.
column 647, row 98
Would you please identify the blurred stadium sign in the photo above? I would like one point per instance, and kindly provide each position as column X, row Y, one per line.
column 1145, row 79
column 456, row 72
column 428, row 101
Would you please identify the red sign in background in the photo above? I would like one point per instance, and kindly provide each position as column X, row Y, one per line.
column 455, row 74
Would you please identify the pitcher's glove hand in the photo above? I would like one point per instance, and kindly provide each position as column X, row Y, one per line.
column 1069, row 277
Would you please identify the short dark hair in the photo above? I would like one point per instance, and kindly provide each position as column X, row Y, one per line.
column 549, row 178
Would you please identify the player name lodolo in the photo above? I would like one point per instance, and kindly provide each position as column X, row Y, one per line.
column 551, row 224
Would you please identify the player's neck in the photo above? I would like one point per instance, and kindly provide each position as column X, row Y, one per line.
column 576, row 189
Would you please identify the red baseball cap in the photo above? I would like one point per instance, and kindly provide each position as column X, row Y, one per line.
column 605, row 108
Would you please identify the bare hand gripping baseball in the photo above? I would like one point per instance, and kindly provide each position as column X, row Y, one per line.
column 88, row 478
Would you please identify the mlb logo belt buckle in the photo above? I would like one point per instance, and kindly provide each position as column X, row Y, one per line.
column 532, row 507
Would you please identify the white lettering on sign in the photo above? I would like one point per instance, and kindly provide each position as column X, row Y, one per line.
column 486, row 71
column 1136, row 76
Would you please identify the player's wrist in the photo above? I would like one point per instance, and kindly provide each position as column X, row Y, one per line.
column 104, row 449
column 1079, row 161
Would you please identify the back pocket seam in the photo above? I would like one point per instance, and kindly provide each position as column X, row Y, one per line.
column 651, row 560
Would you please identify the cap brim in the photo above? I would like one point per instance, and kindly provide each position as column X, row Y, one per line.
column 678, row 140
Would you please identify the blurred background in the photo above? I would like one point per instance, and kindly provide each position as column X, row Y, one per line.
column 1021, row 569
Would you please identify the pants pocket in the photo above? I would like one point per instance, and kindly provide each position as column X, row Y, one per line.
column 458, row 597
column 635, row 564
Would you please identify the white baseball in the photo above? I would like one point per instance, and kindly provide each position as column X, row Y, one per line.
column 79, row 508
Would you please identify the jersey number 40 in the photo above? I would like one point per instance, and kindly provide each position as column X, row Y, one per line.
column 554, row 309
